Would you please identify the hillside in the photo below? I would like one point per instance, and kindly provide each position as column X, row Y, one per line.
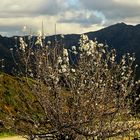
column 15, row 98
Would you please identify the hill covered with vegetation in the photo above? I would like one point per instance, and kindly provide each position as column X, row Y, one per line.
column 124, row 38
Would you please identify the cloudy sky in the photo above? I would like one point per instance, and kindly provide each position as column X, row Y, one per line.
column 70, row 16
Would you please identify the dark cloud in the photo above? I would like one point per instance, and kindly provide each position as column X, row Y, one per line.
column 52, row 7
column 112, row 9
column 26, row 8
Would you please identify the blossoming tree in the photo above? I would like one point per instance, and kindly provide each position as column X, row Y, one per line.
column 81, row 93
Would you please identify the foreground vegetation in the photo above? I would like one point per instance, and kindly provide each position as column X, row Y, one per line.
column 12, row 100
column 80, row 93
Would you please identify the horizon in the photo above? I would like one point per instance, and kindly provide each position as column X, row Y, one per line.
column 35, row 34
column 71, row 16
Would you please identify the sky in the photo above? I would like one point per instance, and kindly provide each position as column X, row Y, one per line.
column 20, row 17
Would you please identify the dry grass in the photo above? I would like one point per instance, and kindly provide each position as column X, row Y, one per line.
column 13, row 138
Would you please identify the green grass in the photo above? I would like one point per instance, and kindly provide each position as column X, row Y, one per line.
column 15, row 98
column 6, row 134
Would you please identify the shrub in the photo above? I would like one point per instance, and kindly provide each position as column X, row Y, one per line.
column 81, row 92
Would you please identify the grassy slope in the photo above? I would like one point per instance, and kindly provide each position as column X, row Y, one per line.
column 13, row 99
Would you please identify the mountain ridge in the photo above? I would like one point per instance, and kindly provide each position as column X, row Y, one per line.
column 122, row 37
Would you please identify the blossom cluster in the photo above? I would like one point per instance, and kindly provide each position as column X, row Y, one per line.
column 22, row 44
column 92, row 55
column 39, row 40
column 63, row 61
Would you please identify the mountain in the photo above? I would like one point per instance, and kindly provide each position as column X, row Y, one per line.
column 124, row 38
column 5, row 44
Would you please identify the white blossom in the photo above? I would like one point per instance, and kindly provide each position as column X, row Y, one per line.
column 96, row 84
column 64, row 70
column 23, row 45
column 103, row 50
column 75, row 52
column 112, row 58
column 39, row 33
column 66, row 59
column 91, row 43
column 40, row 63
column 85, row 47
column 31, row 75
column 56, row 80
column 49, row 42
column 73, row 70
column 65, row 52
column 15, row 37
column 21, row 39
column 88, row 53
column 84, row 37
column 62, row 36
column 39, row 41
column 64, row 66
column 11, row 49
column 100, row 45
column 73, row 48
column 59, row 60
column 123, row 61
column 32, row 53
